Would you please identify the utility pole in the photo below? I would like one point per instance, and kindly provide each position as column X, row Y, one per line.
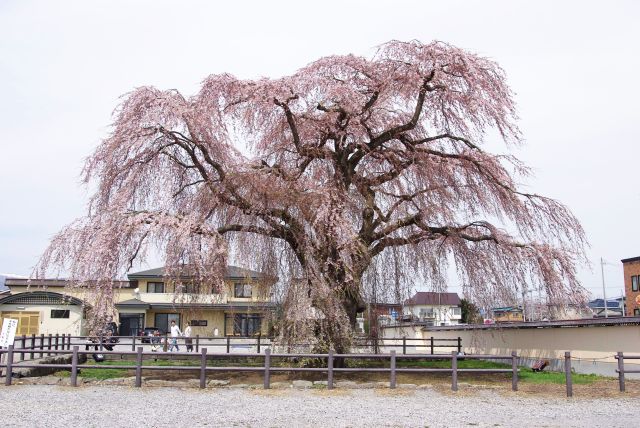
column 524, row 303
column 604, row 291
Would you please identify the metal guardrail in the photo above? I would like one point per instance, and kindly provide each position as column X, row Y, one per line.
column 267, row 368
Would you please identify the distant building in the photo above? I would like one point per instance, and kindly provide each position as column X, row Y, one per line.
column 508, row 314
column 614, row 308
column 434, row 308
column 631, row 269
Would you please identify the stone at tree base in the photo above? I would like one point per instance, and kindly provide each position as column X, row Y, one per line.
column 302, row 384
column 407, row 386
column 280, row 385
column 320, row 383
column 217, row 383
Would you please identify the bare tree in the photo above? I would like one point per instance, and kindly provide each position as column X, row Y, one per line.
column 358, row 171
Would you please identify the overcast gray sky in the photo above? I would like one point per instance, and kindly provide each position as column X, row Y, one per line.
column 63, row 65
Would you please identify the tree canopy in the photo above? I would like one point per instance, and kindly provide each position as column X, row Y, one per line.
column 348, row 173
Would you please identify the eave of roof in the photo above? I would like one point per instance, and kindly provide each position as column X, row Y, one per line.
column 630, row 260
column 233, row 272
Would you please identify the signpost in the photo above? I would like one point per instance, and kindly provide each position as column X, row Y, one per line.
column 8, row 334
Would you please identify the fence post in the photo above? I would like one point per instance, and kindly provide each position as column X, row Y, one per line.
column 166, row 342
column 203, row 368
column 101, row 342
column 133, row 343
column 197, row 343
column 24, row 346
column 459, row 344
column 514, row 368
column 74, row 367
column 139, row 367
column 49, row 344
column 404, row 345
column 68, row 341
column 392, row 380
column 57, row 339
column 228, row 344
column 33, row 344
column 567, row 373
column 330, row 370
column 267, row 368
column 9, row 369
column 454, row 371
column 431, row 345
column 259, row 334
column 621, row 371
column 41, row 345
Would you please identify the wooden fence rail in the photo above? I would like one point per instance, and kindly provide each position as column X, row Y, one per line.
column 267, row 368
column 621, row 370
column 51, row 342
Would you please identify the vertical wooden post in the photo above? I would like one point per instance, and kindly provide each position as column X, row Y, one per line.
column 57, row 339
column 133, row 343
column 514, row 373
column 74, row 367
column 33, row 344
column 9, row 369
column 267, row 368
column 567, row 373
column 166, row 342
column 68, row 341
column 203, row 368
column 41, row 345
column 24, row 346
column 330, row 370
column 621, row 371
column 431, row 345
column 197, row 343
column 259, row 334
column 139, row 367
column 459, row 344
column 49, row 344
column 392, row 380
column 404, row 345
column 454, row 371
column 101, row 338
column 228, row 344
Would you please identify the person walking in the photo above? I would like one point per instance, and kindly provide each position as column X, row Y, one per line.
column 188, row 341
column 175, row 333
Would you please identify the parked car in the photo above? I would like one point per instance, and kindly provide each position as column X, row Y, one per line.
column 148, row 333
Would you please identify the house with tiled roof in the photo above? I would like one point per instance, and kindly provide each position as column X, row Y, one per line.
column 434, row 308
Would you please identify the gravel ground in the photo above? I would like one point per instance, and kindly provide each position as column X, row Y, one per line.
column 97, row 406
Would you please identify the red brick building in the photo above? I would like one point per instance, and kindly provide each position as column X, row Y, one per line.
column 631, row 268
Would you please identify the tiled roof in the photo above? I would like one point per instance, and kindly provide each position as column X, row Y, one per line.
column 232, row 272
column 433, row 298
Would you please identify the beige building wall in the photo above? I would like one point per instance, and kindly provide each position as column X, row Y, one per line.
column 73, row 325
column 588, row 345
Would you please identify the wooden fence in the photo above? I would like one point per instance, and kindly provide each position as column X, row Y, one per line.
column 267, row 368
column 42, row 345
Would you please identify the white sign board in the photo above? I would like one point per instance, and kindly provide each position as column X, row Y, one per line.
column 9, row 327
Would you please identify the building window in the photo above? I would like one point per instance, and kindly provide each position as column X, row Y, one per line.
column 241, row 290
column 59, row 313
column 636, row 312
column 244, row 324
column 199, row 323
column 635, row 282
column 155, row 287
column 456, row 311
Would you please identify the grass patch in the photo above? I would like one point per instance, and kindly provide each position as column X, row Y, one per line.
column 525, row 374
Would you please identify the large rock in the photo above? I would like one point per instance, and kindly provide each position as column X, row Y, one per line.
column 217, row 383
column 346, row 384
column 302, row 384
